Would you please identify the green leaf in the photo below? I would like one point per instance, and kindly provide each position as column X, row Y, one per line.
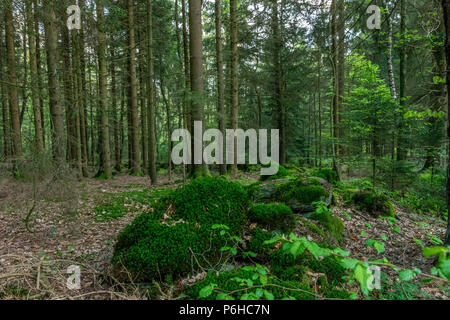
column 406, row 275
column 348, row 263
column 207, row 291
column 428, row 252
column 268, row 295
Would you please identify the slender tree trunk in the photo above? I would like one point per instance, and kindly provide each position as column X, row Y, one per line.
column 106, row 154
column 446, row 9
column 278, row 97
column 319, row 93
column 150, row 101
column 12, row 79
column 4, row 100
column 220, row 76
column 169, row 120
column 34, row 79
column 196, row 47
column 56, row 109
column 144, row 129
column 334, row 59
column 39, row 73
column 402, row 144
column 341, row 70
column 234, row 77
column 136, row 164
column 114, row 109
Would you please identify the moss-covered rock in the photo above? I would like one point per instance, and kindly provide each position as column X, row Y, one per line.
column 333, row 225
column 298, row 193
column 256, row 242
column 167, row 241
column 272, row 216
column 326, row 173
column 282, row 173
column 374, row 203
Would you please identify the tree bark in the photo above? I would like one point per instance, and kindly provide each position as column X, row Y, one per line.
column 220, row 77
column 150, row 101
column 101, row 52
column 196, row 51
column 133, row 104
column 234, row 103
column 446, row 9
column 12, row 79
column 4, row 100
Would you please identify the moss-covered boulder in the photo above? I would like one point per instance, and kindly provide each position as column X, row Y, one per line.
column 326, row 173
column 298, row 193
column 374, row 203
column 272, row 216
column 179, row 234
column 282, row 173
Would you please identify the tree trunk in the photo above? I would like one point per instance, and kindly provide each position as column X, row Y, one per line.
column 12, row 79
column 402, row 143
column 234, row 105
column 220, row 77
column 4, row 100
column 150, row 101
column 446, row 7
column 106, row 153
column 133, row 104
column 196, row 51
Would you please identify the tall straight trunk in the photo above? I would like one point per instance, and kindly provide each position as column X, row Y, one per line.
column 279, row 106
column 196, row 47
column 319, row 93
column 144, row 130
column 390, row 61
column 187, row 74
column 334, row 59
column 234, row 103
column 402, row 144
column 69, row 100
column 34, row 79
column 12, row 79
column 25, row 69
column 56, row 109
column 341, row 68
column 114, row 110
column 39, row 72
column 101, row 52
column 446, row 9
column 220, row 76
column 133, row 104
column 150, row 101
column 4, row 99
column 169, row 120
column 78, row 105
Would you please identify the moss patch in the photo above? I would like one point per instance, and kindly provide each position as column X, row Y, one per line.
column 272, row 216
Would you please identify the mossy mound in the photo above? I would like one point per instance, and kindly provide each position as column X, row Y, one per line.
column 240, row 283
column 287, row 267
column 282, row 173
column 374, row 203
column 326, row 173
column 256, row 243
column 171, row 240
column 272, row 216
column 333, row 225
column 298, row 193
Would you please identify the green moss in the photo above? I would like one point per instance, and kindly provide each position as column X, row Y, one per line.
column 256, row 243
column 326, row 173
column 282, row 172
column 229, row 282
column 280, row 261
column 331, row 223
column 373, row 203
column 209, row 201
column 272, row 216
column 178, row 236
column 301, row 192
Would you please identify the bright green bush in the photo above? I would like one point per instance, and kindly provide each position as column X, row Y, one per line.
column 272, row 216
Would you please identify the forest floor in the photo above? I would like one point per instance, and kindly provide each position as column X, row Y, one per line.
column 65, row 230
